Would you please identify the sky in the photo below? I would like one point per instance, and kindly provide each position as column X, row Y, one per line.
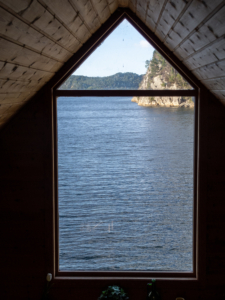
column 124, row 50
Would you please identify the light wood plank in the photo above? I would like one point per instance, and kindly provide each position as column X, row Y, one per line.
column 220, row 95
column 141, row 9
column 209, row 32
column 102, row 8
column 69, row 17
column 9, row 39
column 210, row 71
column 38, row 16
column 20, row 31
column 19, row 86
column 9, row 97
column 171, row 12
column 213, row 53
column 123, row 3
column 4, row 108
column 17, row 16
column 13, row 72
column 113, row 4
column 153, row 12
column 215, row 84
column 194, row 15
column 88, row 14
column 15, row 107
column 64, row 10
column 11, row 52
column 132, row 5
column 11, row 100
column 16, row 97
column 18, row 6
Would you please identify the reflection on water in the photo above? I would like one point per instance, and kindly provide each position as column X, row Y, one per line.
column 125, row 185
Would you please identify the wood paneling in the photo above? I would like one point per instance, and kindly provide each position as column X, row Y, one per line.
column 206, row 34
column 17, row 30
column 12, row 52
column 213, row 53
column 169, row 16
column 38, row 37
column 212, row 70
column 215, row 84
column 19, row 86
column 88, row 14
column 25, row 187
column 101, row 8
column 69, row 18
column 15, row 71
column 196, row 13
column 153, row 12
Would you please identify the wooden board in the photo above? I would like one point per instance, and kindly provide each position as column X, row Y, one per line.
column 213, row 70
column 193, row 16
column 4, row 108
column 213, row 53
column 14, row 86
column 12, row 52
column 17, row 30
column 215, row 84
column 154, row 9
column 220, row 95
column 38, row 16
column 11, row 98
column 102, row 9
column 169, row 16
column 141, row 9
column 87, row 12
column 209, row 32
column 112, row 5
column 66, row 13
column 13, row 71
column 132, row 5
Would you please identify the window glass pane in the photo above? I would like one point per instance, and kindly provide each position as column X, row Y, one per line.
column 125, row 177
column 125, row 60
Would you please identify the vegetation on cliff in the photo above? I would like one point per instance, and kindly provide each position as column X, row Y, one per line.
column 161, row 75
column 119, row 81
column 158, row 66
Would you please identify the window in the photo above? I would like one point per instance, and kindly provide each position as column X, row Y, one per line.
column 120, row 232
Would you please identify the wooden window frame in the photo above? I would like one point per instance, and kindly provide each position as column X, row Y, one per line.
column 198, row 91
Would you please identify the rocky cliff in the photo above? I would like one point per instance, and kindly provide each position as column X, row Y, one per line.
column 161, row 75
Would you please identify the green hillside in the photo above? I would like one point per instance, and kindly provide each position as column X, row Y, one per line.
column 119, row 81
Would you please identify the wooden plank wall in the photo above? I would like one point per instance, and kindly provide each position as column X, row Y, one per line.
column 38, row 37
column 25, row 192
column 194, row 31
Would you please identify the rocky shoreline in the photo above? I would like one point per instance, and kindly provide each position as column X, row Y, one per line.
column 161, row 75
column 164, row 101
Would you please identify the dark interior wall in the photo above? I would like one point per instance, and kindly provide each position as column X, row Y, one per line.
column 24, row 188
column 26, row 195
column 215, row 194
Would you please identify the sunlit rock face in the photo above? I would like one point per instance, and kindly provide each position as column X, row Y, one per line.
column 164, row 101
column 161, row 75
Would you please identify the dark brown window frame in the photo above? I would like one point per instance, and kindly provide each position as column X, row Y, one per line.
column 198, row 272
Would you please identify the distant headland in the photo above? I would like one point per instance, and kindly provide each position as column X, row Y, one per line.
column 161, row 75
column 119, row 81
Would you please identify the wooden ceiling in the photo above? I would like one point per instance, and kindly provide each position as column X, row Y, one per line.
column 37, row 37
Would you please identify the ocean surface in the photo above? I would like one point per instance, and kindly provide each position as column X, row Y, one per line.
column 125, row 176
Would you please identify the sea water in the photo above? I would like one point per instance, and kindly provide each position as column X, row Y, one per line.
column 125, row 185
